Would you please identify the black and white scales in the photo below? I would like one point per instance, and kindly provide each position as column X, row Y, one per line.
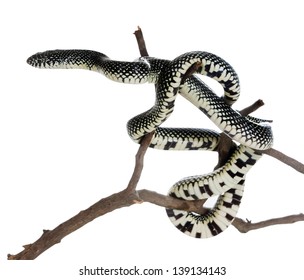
column 252, row 134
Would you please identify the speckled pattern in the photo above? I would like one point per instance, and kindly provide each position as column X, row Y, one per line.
column 171, row 78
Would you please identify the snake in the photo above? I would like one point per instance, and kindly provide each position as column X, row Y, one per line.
column 180, row 76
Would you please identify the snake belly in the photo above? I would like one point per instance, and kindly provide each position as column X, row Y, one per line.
column 169, row 77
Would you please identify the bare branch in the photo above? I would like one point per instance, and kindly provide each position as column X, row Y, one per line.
column 141, row 42
column 245, row 226
column 52, row 237
column 286, row 159
column 139, row 162
column 253, row 107
column 174, row 203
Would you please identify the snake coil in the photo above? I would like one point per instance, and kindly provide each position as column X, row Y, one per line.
column 170, row 78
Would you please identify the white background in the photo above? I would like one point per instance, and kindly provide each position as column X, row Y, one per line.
column 63, row 142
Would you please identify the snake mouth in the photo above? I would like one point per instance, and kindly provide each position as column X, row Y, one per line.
column 39, row 60
column 31, row 61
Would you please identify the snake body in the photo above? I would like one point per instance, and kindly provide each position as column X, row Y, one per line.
column 171, row 78
column 227, row 182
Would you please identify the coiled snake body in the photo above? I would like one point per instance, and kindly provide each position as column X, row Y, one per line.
column 170, row 78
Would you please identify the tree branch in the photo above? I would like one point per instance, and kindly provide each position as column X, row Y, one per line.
column 52, row 237
column 141, row 42
column 245, row 226
column 139, row 162
column 298, row 166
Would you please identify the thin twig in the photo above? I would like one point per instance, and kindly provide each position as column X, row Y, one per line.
column 295, row 164
column 251, row 108
column 141, row 42
column 245, row 226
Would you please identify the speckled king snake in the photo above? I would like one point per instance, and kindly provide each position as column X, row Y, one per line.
column 170, row 79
